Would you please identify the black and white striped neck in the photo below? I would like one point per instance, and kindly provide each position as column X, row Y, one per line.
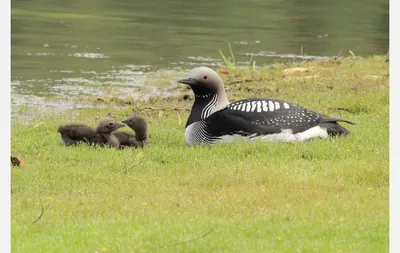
column 203, row 106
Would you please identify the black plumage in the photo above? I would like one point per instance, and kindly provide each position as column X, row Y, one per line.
column 232, row 120
column 214, row 119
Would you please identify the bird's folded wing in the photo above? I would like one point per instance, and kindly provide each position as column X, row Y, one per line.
column 228, row 121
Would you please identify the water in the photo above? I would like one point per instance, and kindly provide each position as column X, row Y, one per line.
column 63, row 50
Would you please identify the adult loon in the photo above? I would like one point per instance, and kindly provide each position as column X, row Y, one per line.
column 214, row 119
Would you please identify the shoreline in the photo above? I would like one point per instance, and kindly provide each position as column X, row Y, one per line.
column 325, row 194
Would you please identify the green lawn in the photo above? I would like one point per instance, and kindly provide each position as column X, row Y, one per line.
column 318, row 196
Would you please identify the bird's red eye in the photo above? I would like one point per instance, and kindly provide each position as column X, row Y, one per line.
column 205, row 77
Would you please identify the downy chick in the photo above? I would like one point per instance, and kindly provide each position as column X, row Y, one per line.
column 73, row 134
column 138, row 124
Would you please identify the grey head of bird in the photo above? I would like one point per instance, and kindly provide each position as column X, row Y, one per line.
column 136, row 122
column 204, row 81
column 108, row 125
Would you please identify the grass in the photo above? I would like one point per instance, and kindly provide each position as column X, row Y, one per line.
column 230, row 62
column 318, row 196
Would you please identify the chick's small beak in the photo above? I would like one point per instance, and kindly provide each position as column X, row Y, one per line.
column 188, row 81
column 119, row 125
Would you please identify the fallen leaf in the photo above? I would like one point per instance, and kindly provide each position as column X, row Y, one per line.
column 15, row 161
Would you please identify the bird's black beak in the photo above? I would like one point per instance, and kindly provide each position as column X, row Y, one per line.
column 188, row 81
column 125, row 122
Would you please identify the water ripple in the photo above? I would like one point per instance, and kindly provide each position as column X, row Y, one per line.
column 89, row 55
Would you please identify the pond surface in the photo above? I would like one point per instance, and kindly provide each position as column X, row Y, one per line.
column 66, row 49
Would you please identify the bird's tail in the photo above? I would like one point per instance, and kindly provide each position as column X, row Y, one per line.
column 334, row 120
column 334, row 129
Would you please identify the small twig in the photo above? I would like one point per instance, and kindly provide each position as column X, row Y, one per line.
column 41, row 213
column 301, row 51
column 35, row 126
column 190, row 240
